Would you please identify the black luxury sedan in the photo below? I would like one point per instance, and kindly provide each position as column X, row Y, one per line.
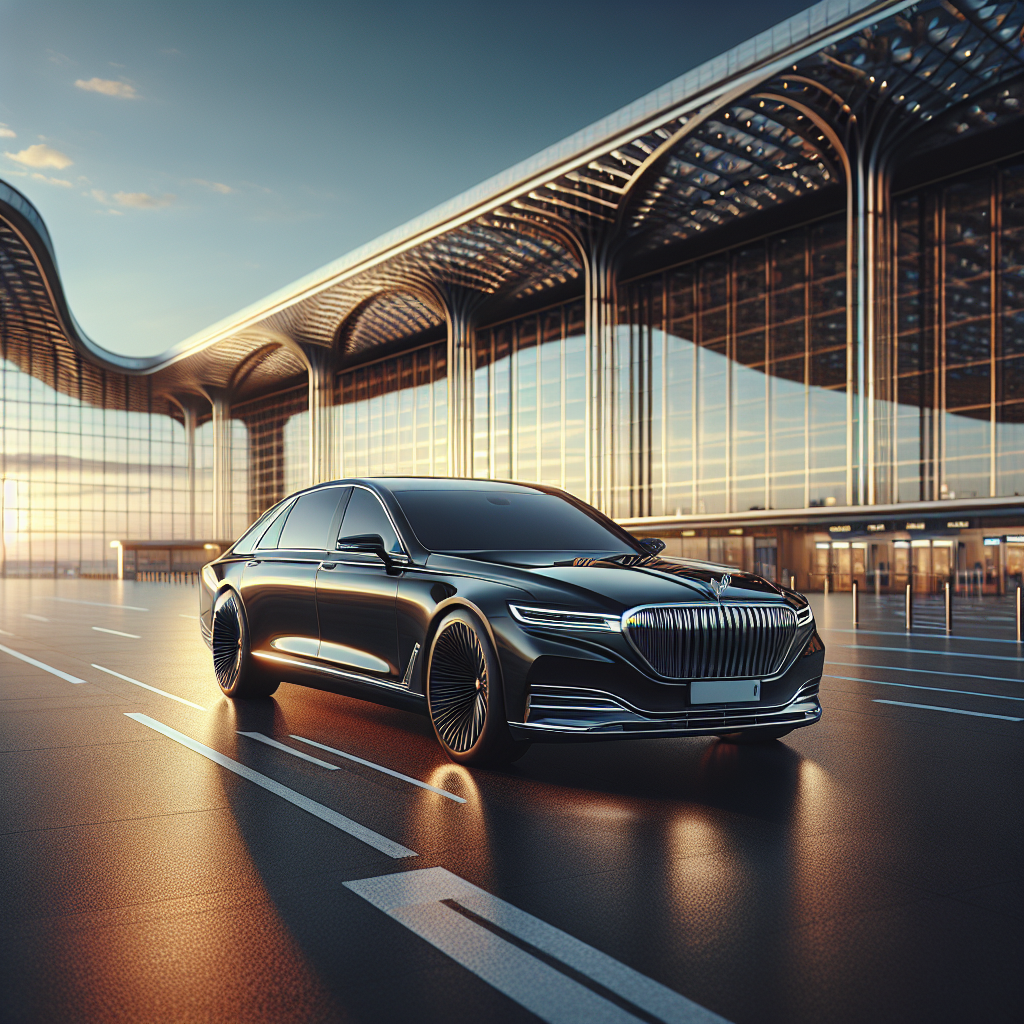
column 507, row 613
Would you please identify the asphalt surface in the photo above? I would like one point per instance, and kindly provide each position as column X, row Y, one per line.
column 159, row 865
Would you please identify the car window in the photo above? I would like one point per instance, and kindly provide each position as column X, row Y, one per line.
column 273, row 532
column 309, row 521
column 365, row 514
column 245, row 543
column 463, row 520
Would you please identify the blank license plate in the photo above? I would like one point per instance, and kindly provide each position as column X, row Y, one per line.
column 724, row 691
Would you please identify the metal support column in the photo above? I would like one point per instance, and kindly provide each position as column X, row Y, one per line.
column 189, row 415
column 600, row 407
column 221, row 405
column 320, row 368
column 460, row 305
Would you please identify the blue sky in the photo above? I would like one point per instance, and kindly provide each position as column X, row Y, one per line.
column 189, row 158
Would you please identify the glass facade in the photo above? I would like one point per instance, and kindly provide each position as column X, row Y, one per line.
column 529, row 399
column 392, row 416
column 952, row 417
column 76, row 475
column 731, row 378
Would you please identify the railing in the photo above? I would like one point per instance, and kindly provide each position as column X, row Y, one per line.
column 190, row 579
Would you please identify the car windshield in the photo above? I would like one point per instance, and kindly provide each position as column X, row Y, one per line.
column 462, row 521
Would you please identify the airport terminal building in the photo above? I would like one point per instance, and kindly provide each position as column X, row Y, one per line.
column 772, row 312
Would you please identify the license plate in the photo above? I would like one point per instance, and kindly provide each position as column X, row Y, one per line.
column 724, row 691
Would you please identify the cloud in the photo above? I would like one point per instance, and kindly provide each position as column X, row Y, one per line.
column 215, row 186
column 63, row 183
column 7, row 133
column 41, row 155
column 107, row 87
column 143, row 200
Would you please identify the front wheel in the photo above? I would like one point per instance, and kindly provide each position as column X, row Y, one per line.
column 237, row 673
column 464, row 694
column 754, row 736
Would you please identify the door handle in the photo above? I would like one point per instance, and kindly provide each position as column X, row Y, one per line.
column 328, row 565
column 256, row 562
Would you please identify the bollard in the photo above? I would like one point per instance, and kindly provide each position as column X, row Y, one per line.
column 949, row 608
column 878, row 582
column 856, row 605
column 910, row 610
column 826, row 584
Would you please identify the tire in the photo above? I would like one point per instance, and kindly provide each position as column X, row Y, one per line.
column 754, row 736
column 464, row 694
column 233, row 663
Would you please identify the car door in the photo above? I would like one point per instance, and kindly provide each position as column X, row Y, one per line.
column 279, row 579
column 356, row 596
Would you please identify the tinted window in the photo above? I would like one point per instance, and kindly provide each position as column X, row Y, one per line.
column 309, row 521
column 365, row 514
column 244, row 544
column 505, row 521
column 273, row 534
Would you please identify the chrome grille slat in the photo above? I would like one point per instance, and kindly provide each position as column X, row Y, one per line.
column 712, row 641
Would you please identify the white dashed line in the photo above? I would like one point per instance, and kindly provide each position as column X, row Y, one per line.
column 181, row 615
column 146, row 686
column 912, row 686
column 117, row 632
column 952, row 711
column 934, row 654
column 39, row 664
column 38, row 618
column 924, row 671
column 260, row 738
column 339, row 821
column 422, row 901
column 381, row 768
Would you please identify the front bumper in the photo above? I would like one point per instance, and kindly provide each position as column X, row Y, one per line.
column 577, row 714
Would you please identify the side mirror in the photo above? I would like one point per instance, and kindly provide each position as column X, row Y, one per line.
column 653, row 545
column 371, row 544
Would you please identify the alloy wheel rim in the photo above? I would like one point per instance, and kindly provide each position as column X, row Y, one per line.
column 458, row 687
column 227, row 642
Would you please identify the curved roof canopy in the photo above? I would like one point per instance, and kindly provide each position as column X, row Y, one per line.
column 778, row 119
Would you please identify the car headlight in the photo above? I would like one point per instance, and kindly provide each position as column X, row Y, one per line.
column 555, row 618
column 804, row 615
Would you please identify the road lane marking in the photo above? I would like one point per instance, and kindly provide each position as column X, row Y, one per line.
column 339, row 821
column 937, row 654
column 260, row 738
column 39, row 664
column 927, row 671
column 422, row 901
column 38, row 618
column 912, row 686
column 938, row 636
column 117, row 632
column 97, row 604
column 952, row 711
column 4, row 632
column 146, row 686
column 381, row 768
column 182, row 616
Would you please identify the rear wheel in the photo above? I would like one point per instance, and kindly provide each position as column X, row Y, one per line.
column 464, row 694
column 754, row 736
column 233, row 664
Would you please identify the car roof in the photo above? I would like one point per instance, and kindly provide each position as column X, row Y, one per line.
column 437, row 483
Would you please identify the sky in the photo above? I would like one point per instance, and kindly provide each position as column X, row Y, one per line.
column 191, row 158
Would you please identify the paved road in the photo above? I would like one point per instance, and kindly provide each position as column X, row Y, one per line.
column 163, row 862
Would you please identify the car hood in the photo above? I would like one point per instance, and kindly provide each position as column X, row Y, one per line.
column 629, row 581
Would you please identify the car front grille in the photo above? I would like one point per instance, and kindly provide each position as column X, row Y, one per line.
column 712, row 641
